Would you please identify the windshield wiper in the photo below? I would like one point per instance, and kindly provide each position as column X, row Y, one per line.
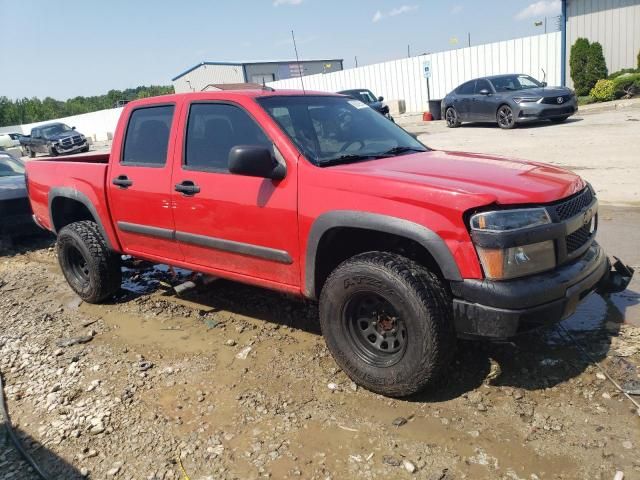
column 347, row 159
column 400, row 149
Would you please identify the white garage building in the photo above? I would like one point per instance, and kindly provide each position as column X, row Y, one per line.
column 613, row 23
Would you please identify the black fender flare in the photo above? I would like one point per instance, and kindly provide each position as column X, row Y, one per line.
column 73, row 194
column 430, row 240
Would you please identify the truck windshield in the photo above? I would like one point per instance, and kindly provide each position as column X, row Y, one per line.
column 10, row 167
column 52, row 130
column 334, row 130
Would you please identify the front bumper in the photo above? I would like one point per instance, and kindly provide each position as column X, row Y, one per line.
column 500, row 310
column 70, row 149
column 527, row 112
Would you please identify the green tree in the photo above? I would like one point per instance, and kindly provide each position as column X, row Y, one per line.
column 578, row 60
column 596, row 66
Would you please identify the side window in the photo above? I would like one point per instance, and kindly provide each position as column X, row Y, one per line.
column 213, row 129
column 147, row 136
column 482, row 85
column 466, row 88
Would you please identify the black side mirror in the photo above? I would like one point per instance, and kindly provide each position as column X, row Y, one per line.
column 255, row 161
column 73, row 128
column 380, row 99
column 544, row 84
column 484, row 91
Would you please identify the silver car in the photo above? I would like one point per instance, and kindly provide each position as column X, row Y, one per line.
column 508, row 100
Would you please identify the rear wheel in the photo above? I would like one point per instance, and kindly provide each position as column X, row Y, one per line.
column 452, row 118
column 505, row 117
column 388, row 323
column 91, row 269
column 30, row 152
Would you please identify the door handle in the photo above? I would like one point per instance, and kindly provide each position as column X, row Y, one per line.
column 122, row 181
column 187, row 188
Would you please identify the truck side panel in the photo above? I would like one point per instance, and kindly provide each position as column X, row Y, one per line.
column 77, row 181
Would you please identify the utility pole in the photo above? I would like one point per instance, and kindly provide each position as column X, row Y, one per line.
column 469, row 38
column 356, row 58
column 408, row 51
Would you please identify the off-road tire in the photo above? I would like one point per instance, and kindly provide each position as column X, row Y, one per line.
column 103, row 274
column 423, row 304
column 31, row 153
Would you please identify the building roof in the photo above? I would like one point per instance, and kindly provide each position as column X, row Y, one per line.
column 234, row 86
column 255, row 62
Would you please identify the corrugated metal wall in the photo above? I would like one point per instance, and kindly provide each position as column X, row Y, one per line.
column 204, row 75
column 613, row 23
column 403, row 79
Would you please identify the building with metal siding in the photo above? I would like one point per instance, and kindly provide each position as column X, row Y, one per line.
column 199, row 77
column 613, row 23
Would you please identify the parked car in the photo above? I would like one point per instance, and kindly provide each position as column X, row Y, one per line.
column 10, row 143
column 508, row 100
column 404, row 247
column 54, row 139
column 367, row 96
column 15, row 212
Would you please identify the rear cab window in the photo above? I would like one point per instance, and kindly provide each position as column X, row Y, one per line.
column 147, row 137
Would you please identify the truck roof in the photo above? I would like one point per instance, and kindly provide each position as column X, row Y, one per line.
column 226, row 95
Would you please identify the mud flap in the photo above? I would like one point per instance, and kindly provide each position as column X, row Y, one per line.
column 616, row 279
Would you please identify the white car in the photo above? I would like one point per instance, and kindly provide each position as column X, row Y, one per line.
column 10, row 143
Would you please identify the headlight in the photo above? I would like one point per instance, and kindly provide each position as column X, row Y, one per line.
column 503, row 264
column 506, row 220
column 519, row 100
column 511, row 262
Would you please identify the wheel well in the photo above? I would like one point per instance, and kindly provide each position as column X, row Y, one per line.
column 341, row 243
column 65, row 211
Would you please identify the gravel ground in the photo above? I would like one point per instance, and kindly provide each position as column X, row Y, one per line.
column 234, row 382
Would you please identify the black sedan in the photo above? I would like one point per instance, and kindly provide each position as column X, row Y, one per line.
column 15, row 212
column 367, row 96
column 508, row 100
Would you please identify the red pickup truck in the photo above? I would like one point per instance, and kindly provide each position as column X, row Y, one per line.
column 318, row 195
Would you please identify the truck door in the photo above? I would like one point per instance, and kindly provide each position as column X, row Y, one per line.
column 37, row 142
column 239, row 224
column 139, row 183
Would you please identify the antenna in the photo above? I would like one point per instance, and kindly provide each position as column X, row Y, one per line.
column 544, row 79
column 298, row 60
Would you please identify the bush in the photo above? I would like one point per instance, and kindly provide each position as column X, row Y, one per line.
column 622, row 72
column 586, row 100
column 604, row 90
column 627, row 85
column 578, row 60
column 596, row 66
column 638, row 59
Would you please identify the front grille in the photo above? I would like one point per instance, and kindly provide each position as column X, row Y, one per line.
column 574, row 205
column 552, row 112
column 578, row 238
column 71, row 141
column 554, row 100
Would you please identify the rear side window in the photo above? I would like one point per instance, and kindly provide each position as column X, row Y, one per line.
column 147, row 136
column 466, row 88
column 213, row 129
column 482, row 85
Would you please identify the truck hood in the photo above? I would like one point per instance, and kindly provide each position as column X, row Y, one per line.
column 495, row 179
column 61, row 135
column 542, row 92
column 12, row 187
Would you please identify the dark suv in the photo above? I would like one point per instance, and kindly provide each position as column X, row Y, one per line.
column 54, row 139
column 367, row 96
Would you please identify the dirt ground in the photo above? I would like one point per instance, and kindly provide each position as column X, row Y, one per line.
column 236, row 383
column 233, row 382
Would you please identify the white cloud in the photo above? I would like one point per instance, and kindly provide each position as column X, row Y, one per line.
column 540, row 9
column 457, row 9
column 277, row 3
column 393, row 12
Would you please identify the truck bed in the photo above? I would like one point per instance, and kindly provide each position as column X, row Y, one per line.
column 92, row 157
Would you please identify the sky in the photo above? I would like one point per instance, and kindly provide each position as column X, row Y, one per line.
column 64, row 48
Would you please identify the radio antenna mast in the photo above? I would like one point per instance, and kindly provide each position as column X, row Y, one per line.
column 295, row 47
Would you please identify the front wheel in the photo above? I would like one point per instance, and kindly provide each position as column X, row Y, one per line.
column 388, row 323
column 506, row 118
column 91, row 269
column 452, row 118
